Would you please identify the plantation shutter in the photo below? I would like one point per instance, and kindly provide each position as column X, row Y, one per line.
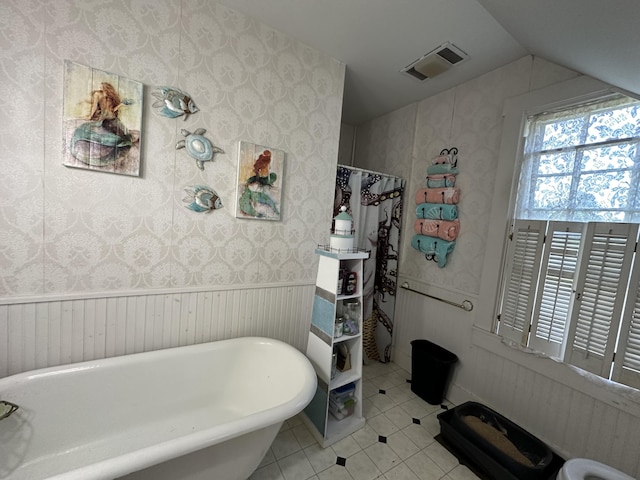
column 600, row 293
column 626, row 367
column 523, row 261
column 560, row 262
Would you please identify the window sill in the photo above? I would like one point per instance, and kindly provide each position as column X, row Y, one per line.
column 614, row 394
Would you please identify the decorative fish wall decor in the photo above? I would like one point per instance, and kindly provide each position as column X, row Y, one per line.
column 173, row 103
column 198, row 146
column 201, row 198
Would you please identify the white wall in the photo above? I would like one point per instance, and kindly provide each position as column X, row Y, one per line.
column 577, row 415
column 69, row 234
column 67, row 330
column 347, row 143
column 76, row 231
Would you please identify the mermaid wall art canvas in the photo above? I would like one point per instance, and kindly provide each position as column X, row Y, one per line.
column 260, row 176
column 102, row 117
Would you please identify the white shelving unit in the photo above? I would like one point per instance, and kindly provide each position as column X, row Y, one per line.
column 327, row 304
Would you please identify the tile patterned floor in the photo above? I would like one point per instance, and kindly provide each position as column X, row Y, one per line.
column 397, row 442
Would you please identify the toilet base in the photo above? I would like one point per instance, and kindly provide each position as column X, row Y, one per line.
column 583, row 468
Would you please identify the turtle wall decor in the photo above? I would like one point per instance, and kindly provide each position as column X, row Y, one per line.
column 198, row 146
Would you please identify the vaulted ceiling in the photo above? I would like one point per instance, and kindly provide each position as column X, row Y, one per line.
column 376, row 39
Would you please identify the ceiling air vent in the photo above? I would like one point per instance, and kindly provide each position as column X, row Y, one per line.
column 435, row 62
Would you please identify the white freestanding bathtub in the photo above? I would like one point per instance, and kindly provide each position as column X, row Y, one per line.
column 207, row 411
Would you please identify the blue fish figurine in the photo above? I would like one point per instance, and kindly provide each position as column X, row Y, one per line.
column 201, row 199
column 173, row 103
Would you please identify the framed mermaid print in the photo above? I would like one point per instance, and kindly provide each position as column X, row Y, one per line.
column 260, row 176
column 102, row 118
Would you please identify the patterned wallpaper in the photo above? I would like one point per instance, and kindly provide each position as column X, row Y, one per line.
column 468, row 117
column 67, row 230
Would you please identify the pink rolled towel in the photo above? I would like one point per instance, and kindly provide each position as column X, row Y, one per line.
column 442, row 159
column 444, row 229
column 438, row 195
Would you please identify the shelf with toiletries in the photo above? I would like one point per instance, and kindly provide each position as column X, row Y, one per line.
column 344, row 338
column 335, row 346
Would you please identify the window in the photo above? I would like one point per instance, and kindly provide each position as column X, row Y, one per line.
column 571, row 281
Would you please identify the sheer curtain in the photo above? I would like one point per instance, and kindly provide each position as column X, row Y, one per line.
column 374, row 200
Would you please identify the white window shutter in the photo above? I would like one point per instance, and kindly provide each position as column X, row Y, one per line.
column 523, row 264
column 600, row 293
column 558, row 277
column 626, row 368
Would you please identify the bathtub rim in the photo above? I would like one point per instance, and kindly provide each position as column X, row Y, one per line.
column 148, row 456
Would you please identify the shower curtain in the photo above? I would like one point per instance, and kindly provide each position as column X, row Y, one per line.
column 374, row 200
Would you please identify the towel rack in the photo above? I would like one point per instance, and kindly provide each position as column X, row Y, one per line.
column 466, row 305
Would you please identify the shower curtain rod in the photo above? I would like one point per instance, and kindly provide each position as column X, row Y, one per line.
column 369, row 171
column 466, row 305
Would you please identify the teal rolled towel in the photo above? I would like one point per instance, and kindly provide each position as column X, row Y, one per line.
column 435, row 248
column 442, row 168
column 437, row 211
column 441, row 180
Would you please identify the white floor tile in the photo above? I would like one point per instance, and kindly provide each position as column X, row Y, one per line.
column 368, row 389
column 320, row 458
column 365, row 437
column 303, row 435
column 401, row 393
column 296, row 467
column 285, row 444
column 431, row 424
column 389, row 380
column 419, row 435
column 369, row 410
column 270, row 472
column 403, row 446
column 443, row 458
column 383, row 456
column 410, row 451
column 268, row 459
column 418, row 408
column 361, row 467
column 400, row 472
column 382, row 425
column 335, row 473
column 399, row 417
column 424, row 467
column 295, row 421
column 382, row 402
column 462, row 473
column 346, row 447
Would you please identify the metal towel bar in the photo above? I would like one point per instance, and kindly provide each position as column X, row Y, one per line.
column 466, row 305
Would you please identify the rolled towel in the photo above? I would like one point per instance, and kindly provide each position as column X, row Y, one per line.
column 433, row 248
column 437, row 211
column 441, row 168
column 440, row 181
column 444, row 229
column 438, row 195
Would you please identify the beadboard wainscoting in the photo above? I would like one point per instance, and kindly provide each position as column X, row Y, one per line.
column 571, row 411
column 47, row 332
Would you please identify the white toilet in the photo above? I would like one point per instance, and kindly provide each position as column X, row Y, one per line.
column 585, row 469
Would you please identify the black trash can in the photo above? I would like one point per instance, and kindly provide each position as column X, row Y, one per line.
column 431, row 367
